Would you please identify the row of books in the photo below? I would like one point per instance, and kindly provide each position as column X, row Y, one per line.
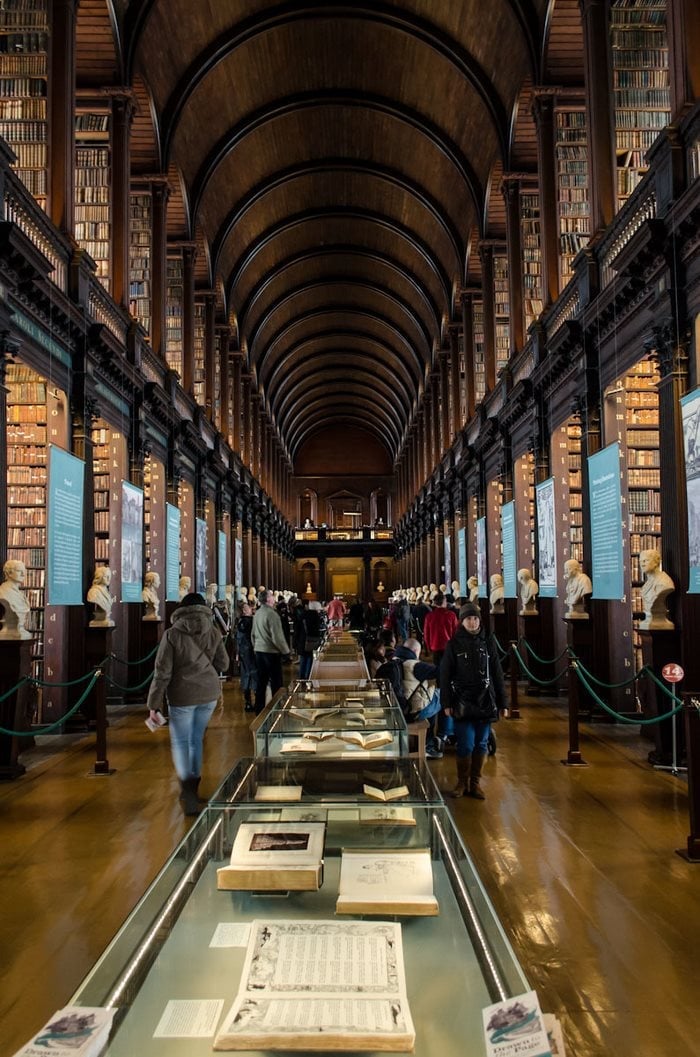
column 26, row 517
column 22, row 65
column 24, row 131
column 26, row 536
column 644, row 502
column 29, row 495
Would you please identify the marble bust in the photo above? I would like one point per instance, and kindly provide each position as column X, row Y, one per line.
column 14, row 604
column 657, row 586
column 212, row 594
column 99, row 597
column 496, row 593
column 473, row 588
column 578, row 588
column 150, row 597
column 529, row 589
column 184, row 587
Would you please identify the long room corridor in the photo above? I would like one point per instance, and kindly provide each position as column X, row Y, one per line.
column 580, row 864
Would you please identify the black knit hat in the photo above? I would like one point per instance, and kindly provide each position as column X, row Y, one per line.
column 192, row 599
column 469, row 610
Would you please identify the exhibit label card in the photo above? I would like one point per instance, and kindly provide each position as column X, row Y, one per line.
column 516, row 1028
column 510, row 561
column 193, row 1018
column 132, row 542
column 606, row 523
column 546, row 528
column 690, row 411
column 172, row 544
column 64, row 528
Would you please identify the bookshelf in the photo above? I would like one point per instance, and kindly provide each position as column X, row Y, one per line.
column 173, row 314
column 501, row 309
column 574, row 440
column 216, row 406
column 140, row 250
column 573, row 209
column 641, row 89
column 93, row 221
column 198, row 345
column 24, row 90
column 108, row 472
column 154, row 499
column 531, row 255
column 479, row 352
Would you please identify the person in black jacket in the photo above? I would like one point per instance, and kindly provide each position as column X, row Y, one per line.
column 472, row 690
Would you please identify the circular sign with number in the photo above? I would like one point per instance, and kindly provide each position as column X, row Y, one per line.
column 672, row 673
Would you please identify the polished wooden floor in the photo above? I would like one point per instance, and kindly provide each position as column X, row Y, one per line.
column 579, row 862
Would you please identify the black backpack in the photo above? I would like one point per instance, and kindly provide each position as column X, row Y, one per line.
column 392, row 672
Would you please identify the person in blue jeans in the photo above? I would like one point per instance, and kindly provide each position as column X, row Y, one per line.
column 190, row 657
column 473, row 693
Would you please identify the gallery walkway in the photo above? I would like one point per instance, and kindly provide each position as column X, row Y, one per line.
column 580, row 864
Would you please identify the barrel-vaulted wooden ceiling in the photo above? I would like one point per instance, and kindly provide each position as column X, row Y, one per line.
column 336, row 161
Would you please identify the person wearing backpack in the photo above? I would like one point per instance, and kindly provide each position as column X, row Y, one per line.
column 473, row 692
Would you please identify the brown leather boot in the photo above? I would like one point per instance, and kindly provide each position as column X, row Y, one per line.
column 463, row 765
column 190, row 803
column 475, row 775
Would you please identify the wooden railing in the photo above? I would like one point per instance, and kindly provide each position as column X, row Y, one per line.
column 21, row 209
column 102, row 309
column 639, row 208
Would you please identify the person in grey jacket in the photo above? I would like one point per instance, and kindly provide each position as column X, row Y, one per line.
column 270, row 647
column 190, row 657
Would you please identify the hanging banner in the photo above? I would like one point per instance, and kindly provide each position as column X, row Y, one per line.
column 448, row 561
column 546, row 530
column 200, row 563
column 222, row 564
column 481, row 557
column 606, row 523
column 510, row 554
column 64, row 529
column 132, row 542
column 238, row 563
column 651, row 522
column 462, row 559
column 172, row 551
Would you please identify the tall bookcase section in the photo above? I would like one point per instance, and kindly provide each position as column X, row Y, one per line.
column 24, row 90
column 140, row 253
column 524, row 495
column 479, row 352
column 641, row 90
column 93, row 211
column 154, row 500
column 501, row 309
column 185, row 498
column 173, row 314
column 532, row 255
column 199, row 365
column 573, row 209
column 216, row 406
column 109, row 463
column 574, row 469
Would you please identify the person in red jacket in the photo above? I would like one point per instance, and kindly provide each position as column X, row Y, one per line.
column 440, row 625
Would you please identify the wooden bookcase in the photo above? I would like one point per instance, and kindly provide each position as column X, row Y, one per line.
column 479, row 352
column 573, row 208
column 531, row 255
column 501, row 309
column 199, row 365
column 93, row 219
column 574, row 441
column 173, row 314
column 140, row 251
column 108, row 472
column 24, row 90
column 641, row 90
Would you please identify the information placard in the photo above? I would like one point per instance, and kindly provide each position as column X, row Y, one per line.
column 481, row 557
column 447, row 559
column 462, row 559
column 64, row 528
column 222, row 564
column 546, row 529
column 238, row 571
column 510, row 557
column 132, row 542
column 172, row 545
column 606, row 523
column 200, row 564
column 690, row 411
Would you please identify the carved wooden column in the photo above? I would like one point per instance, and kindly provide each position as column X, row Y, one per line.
column 602, row 172
column 543, row 112
column 683, row 20
column 486, row 253
column 209, row 353
column 189, row 251
column 511, row 195
column 455, row 389
column 160, row 193
column 61, row 114
column 123, row 110
column 468, row 339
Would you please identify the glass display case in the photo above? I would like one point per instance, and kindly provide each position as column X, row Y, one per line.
column 186, row 940
column 330, row 719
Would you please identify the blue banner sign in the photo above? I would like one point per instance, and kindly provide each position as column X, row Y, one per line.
column 222, row 563
column 546, row 536
column 606, row 523
column 172, row 548
column 64, row 528
column 510, row 556
column 132, row 542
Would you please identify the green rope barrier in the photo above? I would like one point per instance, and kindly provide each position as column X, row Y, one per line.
column 72, row 682
column 533, row 678
column 13, row 689
column 617, row 715
column 130, row 689
column 59, row 722
column 503, row 653
column 540, row 660
column 609, row 686
column 122, row 660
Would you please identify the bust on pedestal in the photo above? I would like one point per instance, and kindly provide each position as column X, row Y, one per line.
column 496, row 593
column 658, row 585
column 14, row 604
column 473, row 589
column 99, row 597
column 529, row 589
column 149, row 596
column 184, row 587
column 578, row 588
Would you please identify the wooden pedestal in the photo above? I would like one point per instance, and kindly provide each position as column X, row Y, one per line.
column 660, row 648
column 15, row 662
